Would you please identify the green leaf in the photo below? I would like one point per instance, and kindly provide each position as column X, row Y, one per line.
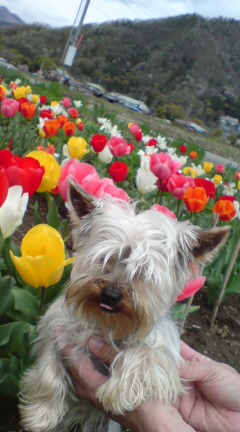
column 6, row 294
column 10, row 245
column 10, row 370
column 14, row 337
column 37, row 217
column 26, row 306
column 178, row 310
column 233, row 287
column 52, row 216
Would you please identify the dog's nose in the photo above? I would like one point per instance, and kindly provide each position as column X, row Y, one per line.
column 111, row 296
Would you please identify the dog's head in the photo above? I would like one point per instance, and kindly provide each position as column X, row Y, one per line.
column 130, row 267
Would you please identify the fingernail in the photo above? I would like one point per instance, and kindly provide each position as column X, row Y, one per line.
column 95, row 344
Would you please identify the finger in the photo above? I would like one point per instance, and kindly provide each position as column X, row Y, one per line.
column 86, row 379
column 100, row 349
column 190, row 354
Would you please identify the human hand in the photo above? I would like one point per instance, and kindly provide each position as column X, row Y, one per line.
column 212, row 402
column 151, row 416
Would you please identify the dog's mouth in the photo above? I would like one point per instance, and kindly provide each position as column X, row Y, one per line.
column 107, row 308
column 110, row 299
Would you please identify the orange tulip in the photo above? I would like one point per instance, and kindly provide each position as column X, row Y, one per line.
column 51, row 128
column 28, row 110
column 193, row 155
column 62, row 120
column 195, row 199
column 225, row 209
column 69, row 128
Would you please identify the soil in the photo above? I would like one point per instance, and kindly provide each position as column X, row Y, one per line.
column 221, row 344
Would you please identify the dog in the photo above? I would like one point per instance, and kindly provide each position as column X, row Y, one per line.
column 129, row 270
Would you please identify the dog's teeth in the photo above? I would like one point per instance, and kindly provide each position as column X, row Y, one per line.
column 104, row 306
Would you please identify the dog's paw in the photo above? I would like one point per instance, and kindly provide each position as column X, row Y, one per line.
column 115, row 399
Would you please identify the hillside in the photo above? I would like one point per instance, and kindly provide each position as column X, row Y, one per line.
column 8, row 19
column 186, row 61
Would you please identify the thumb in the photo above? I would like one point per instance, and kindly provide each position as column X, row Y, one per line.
column 101, row 350
column 194, row 370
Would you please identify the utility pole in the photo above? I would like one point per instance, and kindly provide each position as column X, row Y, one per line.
column 75, row 37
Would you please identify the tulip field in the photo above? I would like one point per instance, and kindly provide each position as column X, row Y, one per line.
column 44, row 141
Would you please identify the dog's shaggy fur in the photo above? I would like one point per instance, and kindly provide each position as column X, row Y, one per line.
column 128, row 272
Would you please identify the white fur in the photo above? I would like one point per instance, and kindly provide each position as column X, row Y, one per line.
column 148, row 253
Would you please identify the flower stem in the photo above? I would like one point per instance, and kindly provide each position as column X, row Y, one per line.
column 42, row 303
column 224, row 285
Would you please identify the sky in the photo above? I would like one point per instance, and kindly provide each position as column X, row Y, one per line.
column 61, row 13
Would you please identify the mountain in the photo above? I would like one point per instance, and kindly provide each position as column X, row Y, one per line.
column 8, row 19
column 186, row 63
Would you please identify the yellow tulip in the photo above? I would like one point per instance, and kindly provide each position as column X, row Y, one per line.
column 190, row 171
column 77, row 147
column 43, row 257
column 78, row 121
column 41, row 133
column 54, row 103
column 35, row 99
column 238, row 185
column 207, row 167
column 52, row 170
column 4, row 89
column 217, row 179
column 19, row 92
column 28, row 89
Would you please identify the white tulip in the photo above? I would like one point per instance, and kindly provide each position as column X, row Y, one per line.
column 13, row 210
column 105, row 155
column 145, row 180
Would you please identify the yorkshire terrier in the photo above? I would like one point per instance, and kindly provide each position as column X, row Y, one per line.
column 129, row 270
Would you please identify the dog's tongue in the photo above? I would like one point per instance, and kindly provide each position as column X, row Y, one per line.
column 107, row 307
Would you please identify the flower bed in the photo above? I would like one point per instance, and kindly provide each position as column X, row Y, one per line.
column 45, row 142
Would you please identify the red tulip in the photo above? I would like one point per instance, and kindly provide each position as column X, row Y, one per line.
column 25, row 172
column 207, row 185
column 152, row 143
column 118, row 171
column 47, row 113
column 43, row 100
column 192, row 286
column 183, row 149
column 73, row 113
column 98, row 143
column 4, row 186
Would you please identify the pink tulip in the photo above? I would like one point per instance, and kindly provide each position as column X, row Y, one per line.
column 220, row 169
column 118, row 147
column 87, row 177
column 82, row 173
column 134, row 128
column 178, row 183
column 9, row 107
column 165, row 210
column 66, row 102
column 112, row 191
column 163, row 166
column 192, row 286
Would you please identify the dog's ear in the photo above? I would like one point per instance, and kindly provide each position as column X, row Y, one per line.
column 209, row 241
column 80, row 201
